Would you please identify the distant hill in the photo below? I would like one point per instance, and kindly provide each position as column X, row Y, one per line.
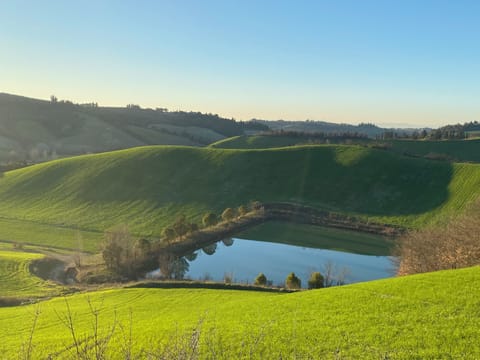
column 149, row 187
column 370, row 130
column 284, row 139
column 38, row 130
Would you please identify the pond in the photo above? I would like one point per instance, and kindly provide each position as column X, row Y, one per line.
column 242, row 260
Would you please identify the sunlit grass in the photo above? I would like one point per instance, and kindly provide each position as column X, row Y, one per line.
column 424, row 316
column 16, row 281
column 148, row 188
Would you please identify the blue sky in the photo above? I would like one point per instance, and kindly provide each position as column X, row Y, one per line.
column 388, row 62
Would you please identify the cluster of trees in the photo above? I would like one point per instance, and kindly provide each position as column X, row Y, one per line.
column 126, row 255
column 179, row 229
column 130, row 257
column 448, row 132
column 223, row 126
column 182, row 227
column 316, row 281
column 309, row 135
column 458, row 131
column 54, row 101
column 455, row 245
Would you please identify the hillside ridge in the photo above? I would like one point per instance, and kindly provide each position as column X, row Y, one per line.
column 149, row 187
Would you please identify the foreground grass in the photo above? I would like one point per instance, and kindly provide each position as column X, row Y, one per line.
column 319, row 237
column 149, row 187
column 16, row 281
column 429, row 316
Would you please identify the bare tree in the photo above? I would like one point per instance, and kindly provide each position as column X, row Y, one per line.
column 455, row 245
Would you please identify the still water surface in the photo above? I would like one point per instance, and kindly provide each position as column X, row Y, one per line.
column 244, row 259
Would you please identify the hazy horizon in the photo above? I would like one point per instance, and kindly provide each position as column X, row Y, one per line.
column 405, row 64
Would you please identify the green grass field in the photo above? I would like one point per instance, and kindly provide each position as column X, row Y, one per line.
column 428, row 316
column 148, row 187
column 16, row 281
column 458, row 150
column 319, row 237
column 34, row 233
column 257, row 142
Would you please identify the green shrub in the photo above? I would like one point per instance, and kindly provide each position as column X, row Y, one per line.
column 228, row 214
column 293, row 282
column 261, row 280
column 209, row 219
column 315, row 281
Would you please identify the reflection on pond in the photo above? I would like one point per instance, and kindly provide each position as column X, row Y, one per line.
column 242, row 260
column 227, row 242
column 210, row 249
column 172, row 267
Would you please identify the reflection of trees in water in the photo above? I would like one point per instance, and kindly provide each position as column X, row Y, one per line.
column 191, row 257
column 228, row 241
column 172, row 266
column 210, row 249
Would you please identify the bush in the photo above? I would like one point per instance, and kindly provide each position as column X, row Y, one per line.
column 209, row 219
column 453, row 246
column 315, row 281
column 168, row 234
column 228, row 214
column 242, row 210
column 293, row 282
column 261, row 280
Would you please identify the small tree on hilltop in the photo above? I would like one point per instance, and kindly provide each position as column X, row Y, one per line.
column 242, row 210
column 315, row 281
column 181, row 226
column 256, row 205
column 228, row 214
column 192, row 227
column 261, row 280
column 293, row 282
column 209, row 219
column 168, row 234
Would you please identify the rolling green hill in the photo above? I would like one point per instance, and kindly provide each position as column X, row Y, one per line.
column 428, row 316
column 257, row 142
column 459, row 150
column 456, row 150
column 148, row 187
column 37, row 130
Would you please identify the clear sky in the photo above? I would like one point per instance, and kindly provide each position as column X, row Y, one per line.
column 391, row 62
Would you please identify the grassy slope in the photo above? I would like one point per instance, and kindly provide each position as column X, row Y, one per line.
column 319, row 237
column 148, row 187
column 35, row 233
column 38, row 130
column 256, row 142
column 16, row 279
column 402, row 318
column 460, row 150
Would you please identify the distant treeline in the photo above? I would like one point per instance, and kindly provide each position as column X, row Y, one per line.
column 448, row 132
column 457, row 131
column 133, row 113
column 316, row 135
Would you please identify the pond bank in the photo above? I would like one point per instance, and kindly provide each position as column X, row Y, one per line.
column 287, row 212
